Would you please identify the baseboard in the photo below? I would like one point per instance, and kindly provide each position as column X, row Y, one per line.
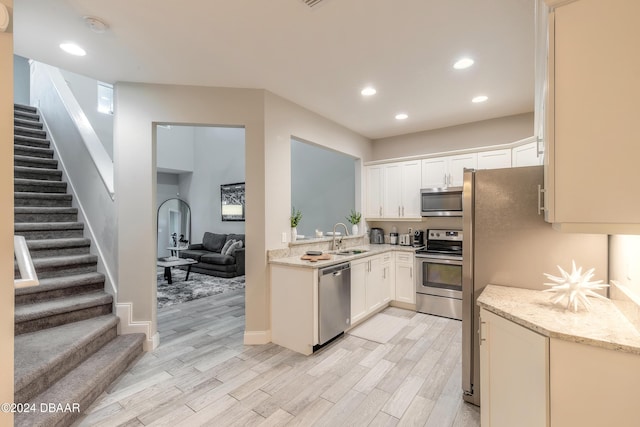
column 257, row 337
column 405, row 305
column 127, row 325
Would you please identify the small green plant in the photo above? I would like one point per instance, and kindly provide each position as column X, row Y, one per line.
column 295, row 218
column 354, row 217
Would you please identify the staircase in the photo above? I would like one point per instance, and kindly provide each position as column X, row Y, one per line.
column 66, row 345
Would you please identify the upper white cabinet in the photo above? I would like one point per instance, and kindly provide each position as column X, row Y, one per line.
column 526, row 155
column 447, row 171
column 374, row 190
column 494, row 159
column 592, row 150
column 541, row 50
column 393, row 190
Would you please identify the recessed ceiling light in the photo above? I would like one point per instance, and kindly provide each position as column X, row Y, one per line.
column 401, row 116
column 480, row 98
column 73, row 49
column 368, row 91
column 463, row 63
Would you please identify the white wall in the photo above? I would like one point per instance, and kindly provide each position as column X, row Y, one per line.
column 21, row 80
column 498, row 131
column 176, row 148
column 85, row 91
column 322, row 187
column 219, row 159
column 6, row 219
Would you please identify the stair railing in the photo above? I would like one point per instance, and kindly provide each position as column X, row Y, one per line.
column 28, row 274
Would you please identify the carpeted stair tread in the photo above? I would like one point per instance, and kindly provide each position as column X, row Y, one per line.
column 31, row 141
column 24, row 198
column 26, row 115
column 29, row 123
column 25, row 312
column 34, row 162
column 36, row 245
column 45, row 356
column 27, row 214
column 85, row 383
column 27, row 226
column 60, row 287
column 29, row 151
column 65, row 265
column 28, row 185
column 37, row 173
column 27, row 131
column 24, row 107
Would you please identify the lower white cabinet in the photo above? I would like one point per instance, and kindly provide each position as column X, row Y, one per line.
column 405, row 278
column 514, row 372
column 369, row 288
column 388, row 277
column 527, row 379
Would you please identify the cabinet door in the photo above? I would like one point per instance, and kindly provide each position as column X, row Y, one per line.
column 374, row 191
column 514, row 374
column 457, row 164
column 494, row 159
column 388, row 276
column 392, row 197
column 374, row 294
column 410, row 190
column 525, row 155
column 359, row 269
column 434, row 172
column 594, row 101
column 405, row 278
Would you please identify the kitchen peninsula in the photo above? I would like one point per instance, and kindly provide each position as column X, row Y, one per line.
column 380, row 275
column 541, row 364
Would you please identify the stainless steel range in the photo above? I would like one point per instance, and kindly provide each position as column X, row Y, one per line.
column 439, row 267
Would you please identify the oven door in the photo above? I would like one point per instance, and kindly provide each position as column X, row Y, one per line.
column 439, row 276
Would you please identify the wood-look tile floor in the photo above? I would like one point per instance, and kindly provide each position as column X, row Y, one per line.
column 202, row 374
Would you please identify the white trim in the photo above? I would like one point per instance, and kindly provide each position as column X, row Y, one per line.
column 109, row 277
column 124, row 311
column 28, row 274
column 257, row 337
column 454, row 152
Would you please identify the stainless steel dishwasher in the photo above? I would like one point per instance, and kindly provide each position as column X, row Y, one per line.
column 334, row 301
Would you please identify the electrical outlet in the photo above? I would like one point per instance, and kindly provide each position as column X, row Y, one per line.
column 284, row 237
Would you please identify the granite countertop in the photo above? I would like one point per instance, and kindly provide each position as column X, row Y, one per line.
column 602, row 326
column 295, row 261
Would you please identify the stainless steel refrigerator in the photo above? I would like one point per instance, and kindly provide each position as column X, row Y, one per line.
column 507, row 242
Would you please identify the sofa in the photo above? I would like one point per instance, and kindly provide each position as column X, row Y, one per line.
column 218, row 255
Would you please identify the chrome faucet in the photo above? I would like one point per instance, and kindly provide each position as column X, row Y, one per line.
column 346, row 233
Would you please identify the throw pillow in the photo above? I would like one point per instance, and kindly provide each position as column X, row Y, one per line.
column 226, row 246
column 234, row 247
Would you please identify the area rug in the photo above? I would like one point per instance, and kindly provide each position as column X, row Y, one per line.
column 380, row 328
column 198, row 286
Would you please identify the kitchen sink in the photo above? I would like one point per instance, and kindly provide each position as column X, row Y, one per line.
column 352, row 252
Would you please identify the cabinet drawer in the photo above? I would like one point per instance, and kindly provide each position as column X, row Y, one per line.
column 404, row 257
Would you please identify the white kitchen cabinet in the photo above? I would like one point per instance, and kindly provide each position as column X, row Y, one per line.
column 374, row 191
column 359, row 270
column 447, row 171
column 405, row 289
column 374, row 293
column 388, row 287
column 369, row 290
column 591, row 146
column 514, row 373
column 525, row 155
column 540, row 88
column 494, row 159
column 393, row 190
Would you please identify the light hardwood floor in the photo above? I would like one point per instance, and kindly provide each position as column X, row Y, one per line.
column 202, row 374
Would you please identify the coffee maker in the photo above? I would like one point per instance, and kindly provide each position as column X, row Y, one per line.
column 418, row 238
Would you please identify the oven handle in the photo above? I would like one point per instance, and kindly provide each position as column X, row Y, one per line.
column 439, row 260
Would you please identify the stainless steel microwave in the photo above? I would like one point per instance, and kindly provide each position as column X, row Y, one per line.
column 441, row 201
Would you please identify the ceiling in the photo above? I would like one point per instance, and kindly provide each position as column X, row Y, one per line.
column 319, row 58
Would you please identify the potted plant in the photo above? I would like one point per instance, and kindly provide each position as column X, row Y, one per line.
column 354, row 218
column 295, row 218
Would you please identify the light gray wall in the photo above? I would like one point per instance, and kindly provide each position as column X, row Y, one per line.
column 168, row 187
column 21, row 84
column 175, row 148
column 219, row 159
column 503, row 130
column 85, row 91
column 322, row 187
